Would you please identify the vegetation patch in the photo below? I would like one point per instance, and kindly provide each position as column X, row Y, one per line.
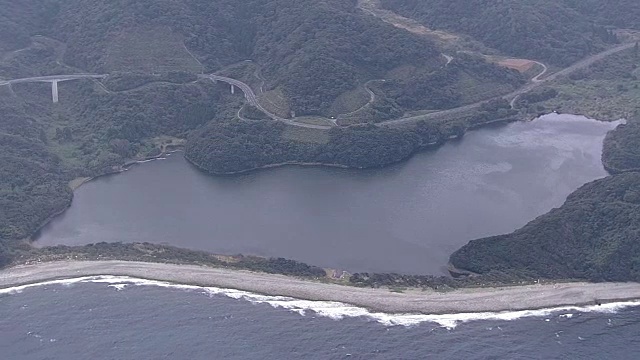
column 155, row 50
column 305, row 135
column 521, row 65
column 593, row 236
column 555, row 32
column 607, row 90
column 621, row 152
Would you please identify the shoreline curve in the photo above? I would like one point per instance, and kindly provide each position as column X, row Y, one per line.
column 418, row 301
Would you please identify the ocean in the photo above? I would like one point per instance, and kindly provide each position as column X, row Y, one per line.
column 125, row 318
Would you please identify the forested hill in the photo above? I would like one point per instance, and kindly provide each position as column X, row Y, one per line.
column 593, row 236
column 559, row 32
column 315, row 55
column 621, row 152
column 313, row 50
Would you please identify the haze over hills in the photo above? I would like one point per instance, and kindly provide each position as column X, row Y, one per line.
column 338, row 70
column 318, row 54
column 557, row 32
column 314, row 57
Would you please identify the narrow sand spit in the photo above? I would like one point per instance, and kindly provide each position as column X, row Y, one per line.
column 383, row 300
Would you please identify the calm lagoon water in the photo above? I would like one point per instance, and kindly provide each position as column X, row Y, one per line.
column 406, row 218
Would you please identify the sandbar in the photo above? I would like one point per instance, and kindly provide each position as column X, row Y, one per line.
column 418, row 301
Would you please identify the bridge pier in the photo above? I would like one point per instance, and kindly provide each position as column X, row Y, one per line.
column 233, row 89
column 54, row 91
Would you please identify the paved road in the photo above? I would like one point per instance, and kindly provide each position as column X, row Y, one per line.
column 535, row 79
column 449, row 59
column 372, row 98
column 513, row 95
column 52, row 78
column 373, row 7
column 544, row 71
column 252, row 99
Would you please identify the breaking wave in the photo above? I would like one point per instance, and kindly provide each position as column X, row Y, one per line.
column 335, row 310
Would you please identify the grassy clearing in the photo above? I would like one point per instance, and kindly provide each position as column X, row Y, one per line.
column 374, row 7
column 350, row 101
column 314, row 136
column 474, row 90
column 276, row 102
column 313, row 120
column 608, row 90
column 599, row 99
column 152, row 50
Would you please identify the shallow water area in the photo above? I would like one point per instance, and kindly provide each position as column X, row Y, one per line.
column 406, row 218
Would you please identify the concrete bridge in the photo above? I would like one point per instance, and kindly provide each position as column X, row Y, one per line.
column 53, row 79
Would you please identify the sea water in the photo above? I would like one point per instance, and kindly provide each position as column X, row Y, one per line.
column 126, row 318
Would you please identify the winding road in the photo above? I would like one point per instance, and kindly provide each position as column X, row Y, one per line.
column 372, row 98
column 373, row 7
column 252, row 99
column 515, row 94
column 544, row 71
column 536, row 82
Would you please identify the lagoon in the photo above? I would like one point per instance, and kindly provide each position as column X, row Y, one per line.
column 406, row 218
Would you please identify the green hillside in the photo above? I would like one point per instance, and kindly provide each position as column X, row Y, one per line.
column 307, row 57
column 313, row 51
column 593, row 236
column 315, row 54
column 557, row 32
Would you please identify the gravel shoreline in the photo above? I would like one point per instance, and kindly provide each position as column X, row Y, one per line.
column 382, row 300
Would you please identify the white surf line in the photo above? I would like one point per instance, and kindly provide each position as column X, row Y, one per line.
column 331, row 309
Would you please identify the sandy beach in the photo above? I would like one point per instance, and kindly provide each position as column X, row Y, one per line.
column 383, row 300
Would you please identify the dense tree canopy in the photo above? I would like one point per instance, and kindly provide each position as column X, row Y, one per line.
column 621, row 151
column 558, row 32
column 593, row 236
column 314, row 51
column 238, row 146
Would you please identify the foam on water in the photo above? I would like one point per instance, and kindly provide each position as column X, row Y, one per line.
column 336, row 310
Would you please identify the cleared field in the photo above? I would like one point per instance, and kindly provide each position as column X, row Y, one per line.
column 149, row 50
column 374, row 8
column 350, row 101
column 521, row 65
column 275, row 102
column 313, row 120
column 599, row 99
column 474, row 89
column 306, row 135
